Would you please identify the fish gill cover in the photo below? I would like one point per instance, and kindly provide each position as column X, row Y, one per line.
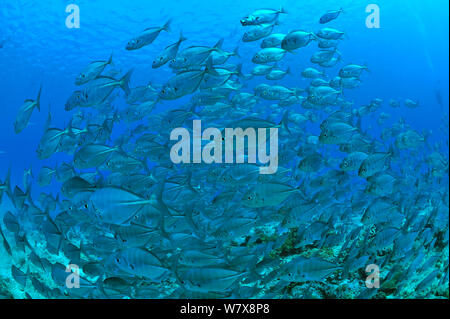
column 118, row 175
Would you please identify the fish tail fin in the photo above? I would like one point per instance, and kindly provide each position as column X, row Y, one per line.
column 192, row 109
column 298, row 92
column 239, row 70
column 159, row 196
column 358, row 123
column 118, row 148
column 292, row 51
column 116, row 117
column 125, row 80
column 48, row 122
column 7, row 183
column 189, row 182
column 282, row 10
column 218, row 45
column 248, row 77
column 145, row 165
column 166, row 26
column 188, row 214
column 162, row 228
column 99, row 285
column 392, row 151
column 174, row 267
column 110, row 60
column 301, row 189
column 341, row 89
column 182, row 38
column 150, row 84
column 366, row 68
column 210, row 68
column 70, row 129
column 27, row 185
column 285, row 121
column 38, row 99
column 426, row 135
column 236, row 52
column 315, row 37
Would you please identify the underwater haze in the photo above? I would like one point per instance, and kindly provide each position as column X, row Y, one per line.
column 110, row 189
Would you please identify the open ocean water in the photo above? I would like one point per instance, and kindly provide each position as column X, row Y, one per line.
column 336, row 185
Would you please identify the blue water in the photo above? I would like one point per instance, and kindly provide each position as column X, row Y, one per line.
column 407, row 58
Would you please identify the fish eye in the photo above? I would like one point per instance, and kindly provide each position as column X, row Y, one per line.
column 163, row 91
column 83, row 76
column 118, row 259
column 86, row 206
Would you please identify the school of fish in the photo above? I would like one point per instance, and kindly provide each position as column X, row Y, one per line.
column 132, row 224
